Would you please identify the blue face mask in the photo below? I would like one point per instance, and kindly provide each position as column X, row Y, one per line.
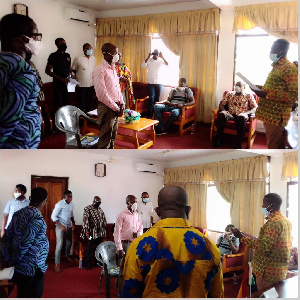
column 145, row 200
column 274, row 57
column 89, row 52
column 265, row 211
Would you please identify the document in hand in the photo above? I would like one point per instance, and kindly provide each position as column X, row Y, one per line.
column 246, row 80
column 71, row 85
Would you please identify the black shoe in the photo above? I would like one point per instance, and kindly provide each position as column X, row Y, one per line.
column 218, row 143
column 160, row 132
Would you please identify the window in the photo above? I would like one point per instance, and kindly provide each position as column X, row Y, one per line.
column 217, row 210
column 252, row 55
column 292, row 209
column 169, row 74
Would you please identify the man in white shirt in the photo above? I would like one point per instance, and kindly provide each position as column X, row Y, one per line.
column 62, row 216
column 14, row 205
column 145, row 210
column 83, row 67
column 154, row 64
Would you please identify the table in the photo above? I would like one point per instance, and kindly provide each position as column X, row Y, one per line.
column 130, row 134
column 287, row 288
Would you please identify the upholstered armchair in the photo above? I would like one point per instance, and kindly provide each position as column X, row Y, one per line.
column 230, row 126
column 188, row 117
column 140, row 93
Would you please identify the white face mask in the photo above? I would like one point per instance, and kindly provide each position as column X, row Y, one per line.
column 134, row 206
column 17, row 195
column 115, row 58
column 274, row 57
column 238, row 89
column 34, row 46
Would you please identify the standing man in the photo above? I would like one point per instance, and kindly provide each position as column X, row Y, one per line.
column 272, row 248
column 93, row 227
column 128, row 227
column 111, row 104
column 20, row 118
column 236, row 106
column 178, row 97
column 14, row 205
column 26, row 246
column 154, row 64
column 278, row 95
column 173, row 259
column 145, row 210
column 63, row 218
column 59, row 67
column 83, row 67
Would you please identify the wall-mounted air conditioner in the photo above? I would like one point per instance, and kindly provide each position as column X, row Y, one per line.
column 78, row 15
column 147, row 168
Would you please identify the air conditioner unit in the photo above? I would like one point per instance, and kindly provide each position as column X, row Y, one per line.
column 79, row 15
column 147, row 168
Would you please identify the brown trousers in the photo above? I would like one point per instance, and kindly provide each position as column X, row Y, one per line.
column 108, row 126
column 275, row 136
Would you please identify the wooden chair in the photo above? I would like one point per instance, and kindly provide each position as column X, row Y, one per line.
column 230, row 126
column 140, row 93
column 203, row 230
column 187, row 116
column 6, row 288
column 235, row 262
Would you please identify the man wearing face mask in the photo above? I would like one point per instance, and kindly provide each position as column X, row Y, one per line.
column 59, row 67
column 227, row 242
column 145, row 209
column 14, row 205
column 154, row 65
column 178, row 97
column 272, row 248
column 20, row 117
column 235, row 106
column 278, row 95
column 83, row 67
column 93, row 227
column 111, row 104
column 172, row 259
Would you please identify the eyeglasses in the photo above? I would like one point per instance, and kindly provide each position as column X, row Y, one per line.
column 37, row 36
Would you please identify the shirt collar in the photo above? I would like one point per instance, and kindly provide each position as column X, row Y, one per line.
column 105, row 63
column 280, row 62
column 172, row 222
column 273, row 214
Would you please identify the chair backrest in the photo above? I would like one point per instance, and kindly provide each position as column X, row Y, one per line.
column 106, row 252
column 140, row 90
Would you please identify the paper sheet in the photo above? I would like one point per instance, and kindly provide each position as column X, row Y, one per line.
column 272, row 293
column 7, row 273
column 93, row 112
column 71, row 85
column 251, row 85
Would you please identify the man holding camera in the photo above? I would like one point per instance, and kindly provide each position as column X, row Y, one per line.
column 154, row 64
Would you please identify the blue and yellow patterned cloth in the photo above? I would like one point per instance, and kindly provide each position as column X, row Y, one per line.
column 20, row 118
column 172, row 260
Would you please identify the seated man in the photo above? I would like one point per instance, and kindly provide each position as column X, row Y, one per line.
column 227, row 242
column 240, row 106
column 178, row 97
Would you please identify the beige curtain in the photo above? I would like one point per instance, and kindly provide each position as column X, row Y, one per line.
column 242, row 182
column 279, row 19
column 290, row 166
column 190, row 34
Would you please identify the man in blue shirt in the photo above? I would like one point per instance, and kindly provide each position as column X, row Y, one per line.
column 63, row 218
column 26, row 246
column 14, row 205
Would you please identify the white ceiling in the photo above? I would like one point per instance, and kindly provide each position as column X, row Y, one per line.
column 106, row 5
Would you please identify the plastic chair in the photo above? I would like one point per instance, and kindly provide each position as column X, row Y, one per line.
column 106, row 253
column 67, row 121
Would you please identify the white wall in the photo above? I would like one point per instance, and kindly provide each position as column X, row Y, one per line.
column 17, row 166
column 49, row 17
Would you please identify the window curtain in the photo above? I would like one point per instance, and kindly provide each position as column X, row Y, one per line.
column 279, row 19
column 191, row 34
column 241, row 182
column 290, row 166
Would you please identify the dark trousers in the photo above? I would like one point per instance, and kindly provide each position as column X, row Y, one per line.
column 84, row 98
column 60, row 96
column 89, row 250
column 29, row 286
column 240, row 127
column 108, row 127
column 154, row 93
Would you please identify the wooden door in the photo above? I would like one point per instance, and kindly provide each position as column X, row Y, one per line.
column 55, row 186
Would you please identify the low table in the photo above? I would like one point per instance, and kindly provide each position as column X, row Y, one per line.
column 143, row 125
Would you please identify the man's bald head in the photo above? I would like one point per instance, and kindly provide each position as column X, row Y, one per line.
column 173, row 202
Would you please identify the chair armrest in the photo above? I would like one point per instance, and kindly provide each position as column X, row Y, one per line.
column 189, row 106
column 142, row 99
column 233, row 255
column 92, row 120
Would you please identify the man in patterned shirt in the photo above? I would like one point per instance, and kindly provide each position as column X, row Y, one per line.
column 172, row 259
column 278, row 95
column 236, row 106
column 272, row 248
column 20, row 118
column 93, row 227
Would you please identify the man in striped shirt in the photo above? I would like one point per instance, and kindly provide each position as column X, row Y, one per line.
column 178, row 97
column 111, row 104
column 227, row 242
